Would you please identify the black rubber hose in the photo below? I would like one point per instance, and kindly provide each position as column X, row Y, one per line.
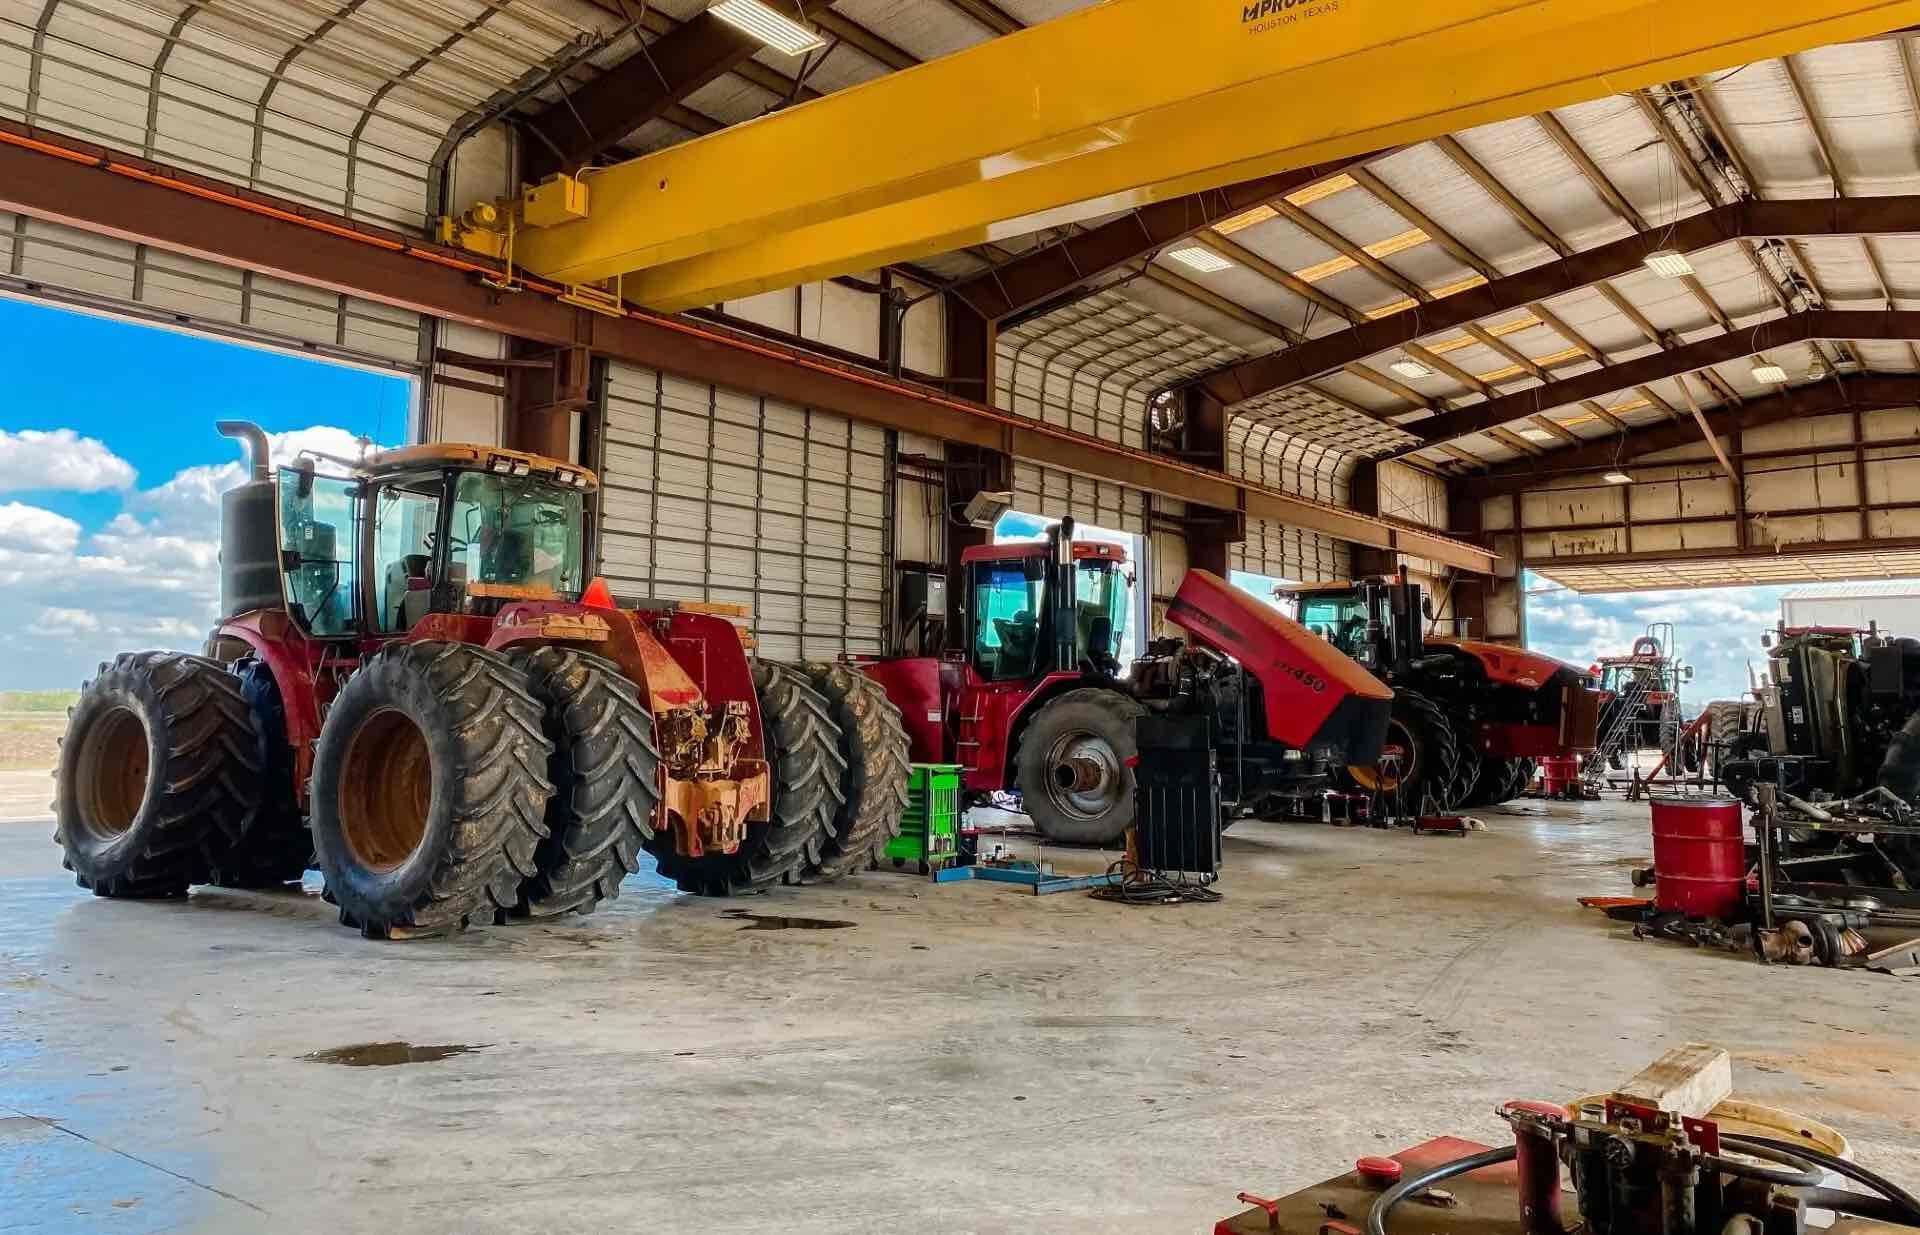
column 1839, row 1166
column 1798, row 1173
column 1859, row 1204
column 1377, row 1216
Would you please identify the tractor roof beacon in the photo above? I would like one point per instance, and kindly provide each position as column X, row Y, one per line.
column 417, row 686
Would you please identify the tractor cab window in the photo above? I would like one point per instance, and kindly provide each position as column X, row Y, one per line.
column 406, row 516
column 1009, row 600
column 1341, row 620
column 1102, row 593
column 317, row 559
column 516, row 532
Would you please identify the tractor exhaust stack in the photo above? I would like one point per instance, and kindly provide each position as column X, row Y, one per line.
column 256, row 440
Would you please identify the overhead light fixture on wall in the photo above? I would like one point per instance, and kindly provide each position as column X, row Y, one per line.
column 1669, row 264
column 769, row 25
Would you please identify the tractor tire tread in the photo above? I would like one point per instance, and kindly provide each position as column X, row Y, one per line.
column 496, row 790
column 877, row 754
column 202, row 794
column 605, row 771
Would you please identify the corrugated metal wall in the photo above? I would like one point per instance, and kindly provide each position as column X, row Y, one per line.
column 1264, row 453
column 718, row 495
column 46, row 261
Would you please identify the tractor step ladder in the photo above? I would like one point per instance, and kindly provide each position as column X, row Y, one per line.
column 1618, row 739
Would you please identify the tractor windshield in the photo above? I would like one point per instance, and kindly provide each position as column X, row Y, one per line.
column 318, row 532
column 1102, row 589
column 1009, row 599
column 1341, row 619
column 516, row 532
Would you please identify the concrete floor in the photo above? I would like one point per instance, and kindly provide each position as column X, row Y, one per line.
column 964, row 1058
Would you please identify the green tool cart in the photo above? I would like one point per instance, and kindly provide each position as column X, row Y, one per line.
column 930, row 829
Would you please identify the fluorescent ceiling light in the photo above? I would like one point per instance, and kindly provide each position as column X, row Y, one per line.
column 1669, row 265
column 1769, row 373
column 1537, row 435
column 770, row 26
column 1617, row 478
column 1206, row 261
column 1410, row 368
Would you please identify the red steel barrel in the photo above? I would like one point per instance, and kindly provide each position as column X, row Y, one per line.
column 1699, row 856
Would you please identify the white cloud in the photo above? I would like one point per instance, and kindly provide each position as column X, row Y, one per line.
column 148, row 578
column 29, row 529
column 62, row 459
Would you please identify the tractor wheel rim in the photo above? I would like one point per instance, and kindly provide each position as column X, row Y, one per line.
column 386, row 791
column 111, row 775
column 1399, row 760
column 1084, row 777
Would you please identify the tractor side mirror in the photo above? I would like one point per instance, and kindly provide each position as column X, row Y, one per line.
column 1426, row 607
column 1766, row 641
column 1689, row 674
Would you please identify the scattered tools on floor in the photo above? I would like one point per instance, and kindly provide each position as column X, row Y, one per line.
column 1813, row 888
column 1669, row 1153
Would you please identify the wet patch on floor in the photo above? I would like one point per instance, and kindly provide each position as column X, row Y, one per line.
column 776, row 922
column 387, row 1054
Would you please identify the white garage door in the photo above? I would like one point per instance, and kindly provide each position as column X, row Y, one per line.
column 46, row 261
column 1051, row 493
column 718, row 495
column 1284, row 552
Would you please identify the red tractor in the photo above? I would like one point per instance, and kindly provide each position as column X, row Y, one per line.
column 414, row 686
column 1036, row 702
column 1469, row 718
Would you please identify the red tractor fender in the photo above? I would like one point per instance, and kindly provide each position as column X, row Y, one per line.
column 1305, row 680
column 294, row 661
column 1508, row 666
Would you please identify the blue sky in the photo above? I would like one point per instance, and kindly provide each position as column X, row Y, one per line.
column 110, row 476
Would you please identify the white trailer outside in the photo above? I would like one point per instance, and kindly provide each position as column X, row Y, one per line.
column 1893, row 605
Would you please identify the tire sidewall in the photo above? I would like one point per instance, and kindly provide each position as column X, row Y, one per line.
column 95, row 858
column 360, row 891
column 1060, row 718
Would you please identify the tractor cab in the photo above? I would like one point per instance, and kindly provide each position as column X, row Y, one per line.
column 1375, row 621
column 1041, row 607
column 427, row 529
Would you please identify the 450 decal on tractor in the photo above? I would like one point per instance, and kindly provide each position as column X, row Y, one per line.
column 1035, row 701
column 415, row 687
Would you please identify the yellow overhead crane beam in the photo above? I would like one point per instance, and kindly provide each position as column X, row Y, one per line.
column 1119, row 105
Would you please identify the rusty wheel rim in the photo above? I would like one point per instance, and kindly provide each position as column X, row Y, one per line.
column 112, row 773
column 386, row 791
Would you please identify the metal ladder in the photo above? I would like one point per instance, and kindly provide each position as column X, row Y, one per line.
column 1617, row 737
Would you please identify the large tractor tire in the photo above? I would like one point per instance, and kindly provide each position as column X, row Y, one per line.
column 1073, row 766
column 803, row 748
column 277, row 849
column 605, row 771
column 1900, row 772
column 430, row 790
column 1477, row 778
column 1520, row 774
column 1425, row 756
column 873, row 785
column 159, row 771
column 1723, row 726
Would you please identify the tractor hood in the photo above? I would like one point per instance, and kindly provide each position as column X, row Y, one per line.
column 1316, row 696
column 1511, row 666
